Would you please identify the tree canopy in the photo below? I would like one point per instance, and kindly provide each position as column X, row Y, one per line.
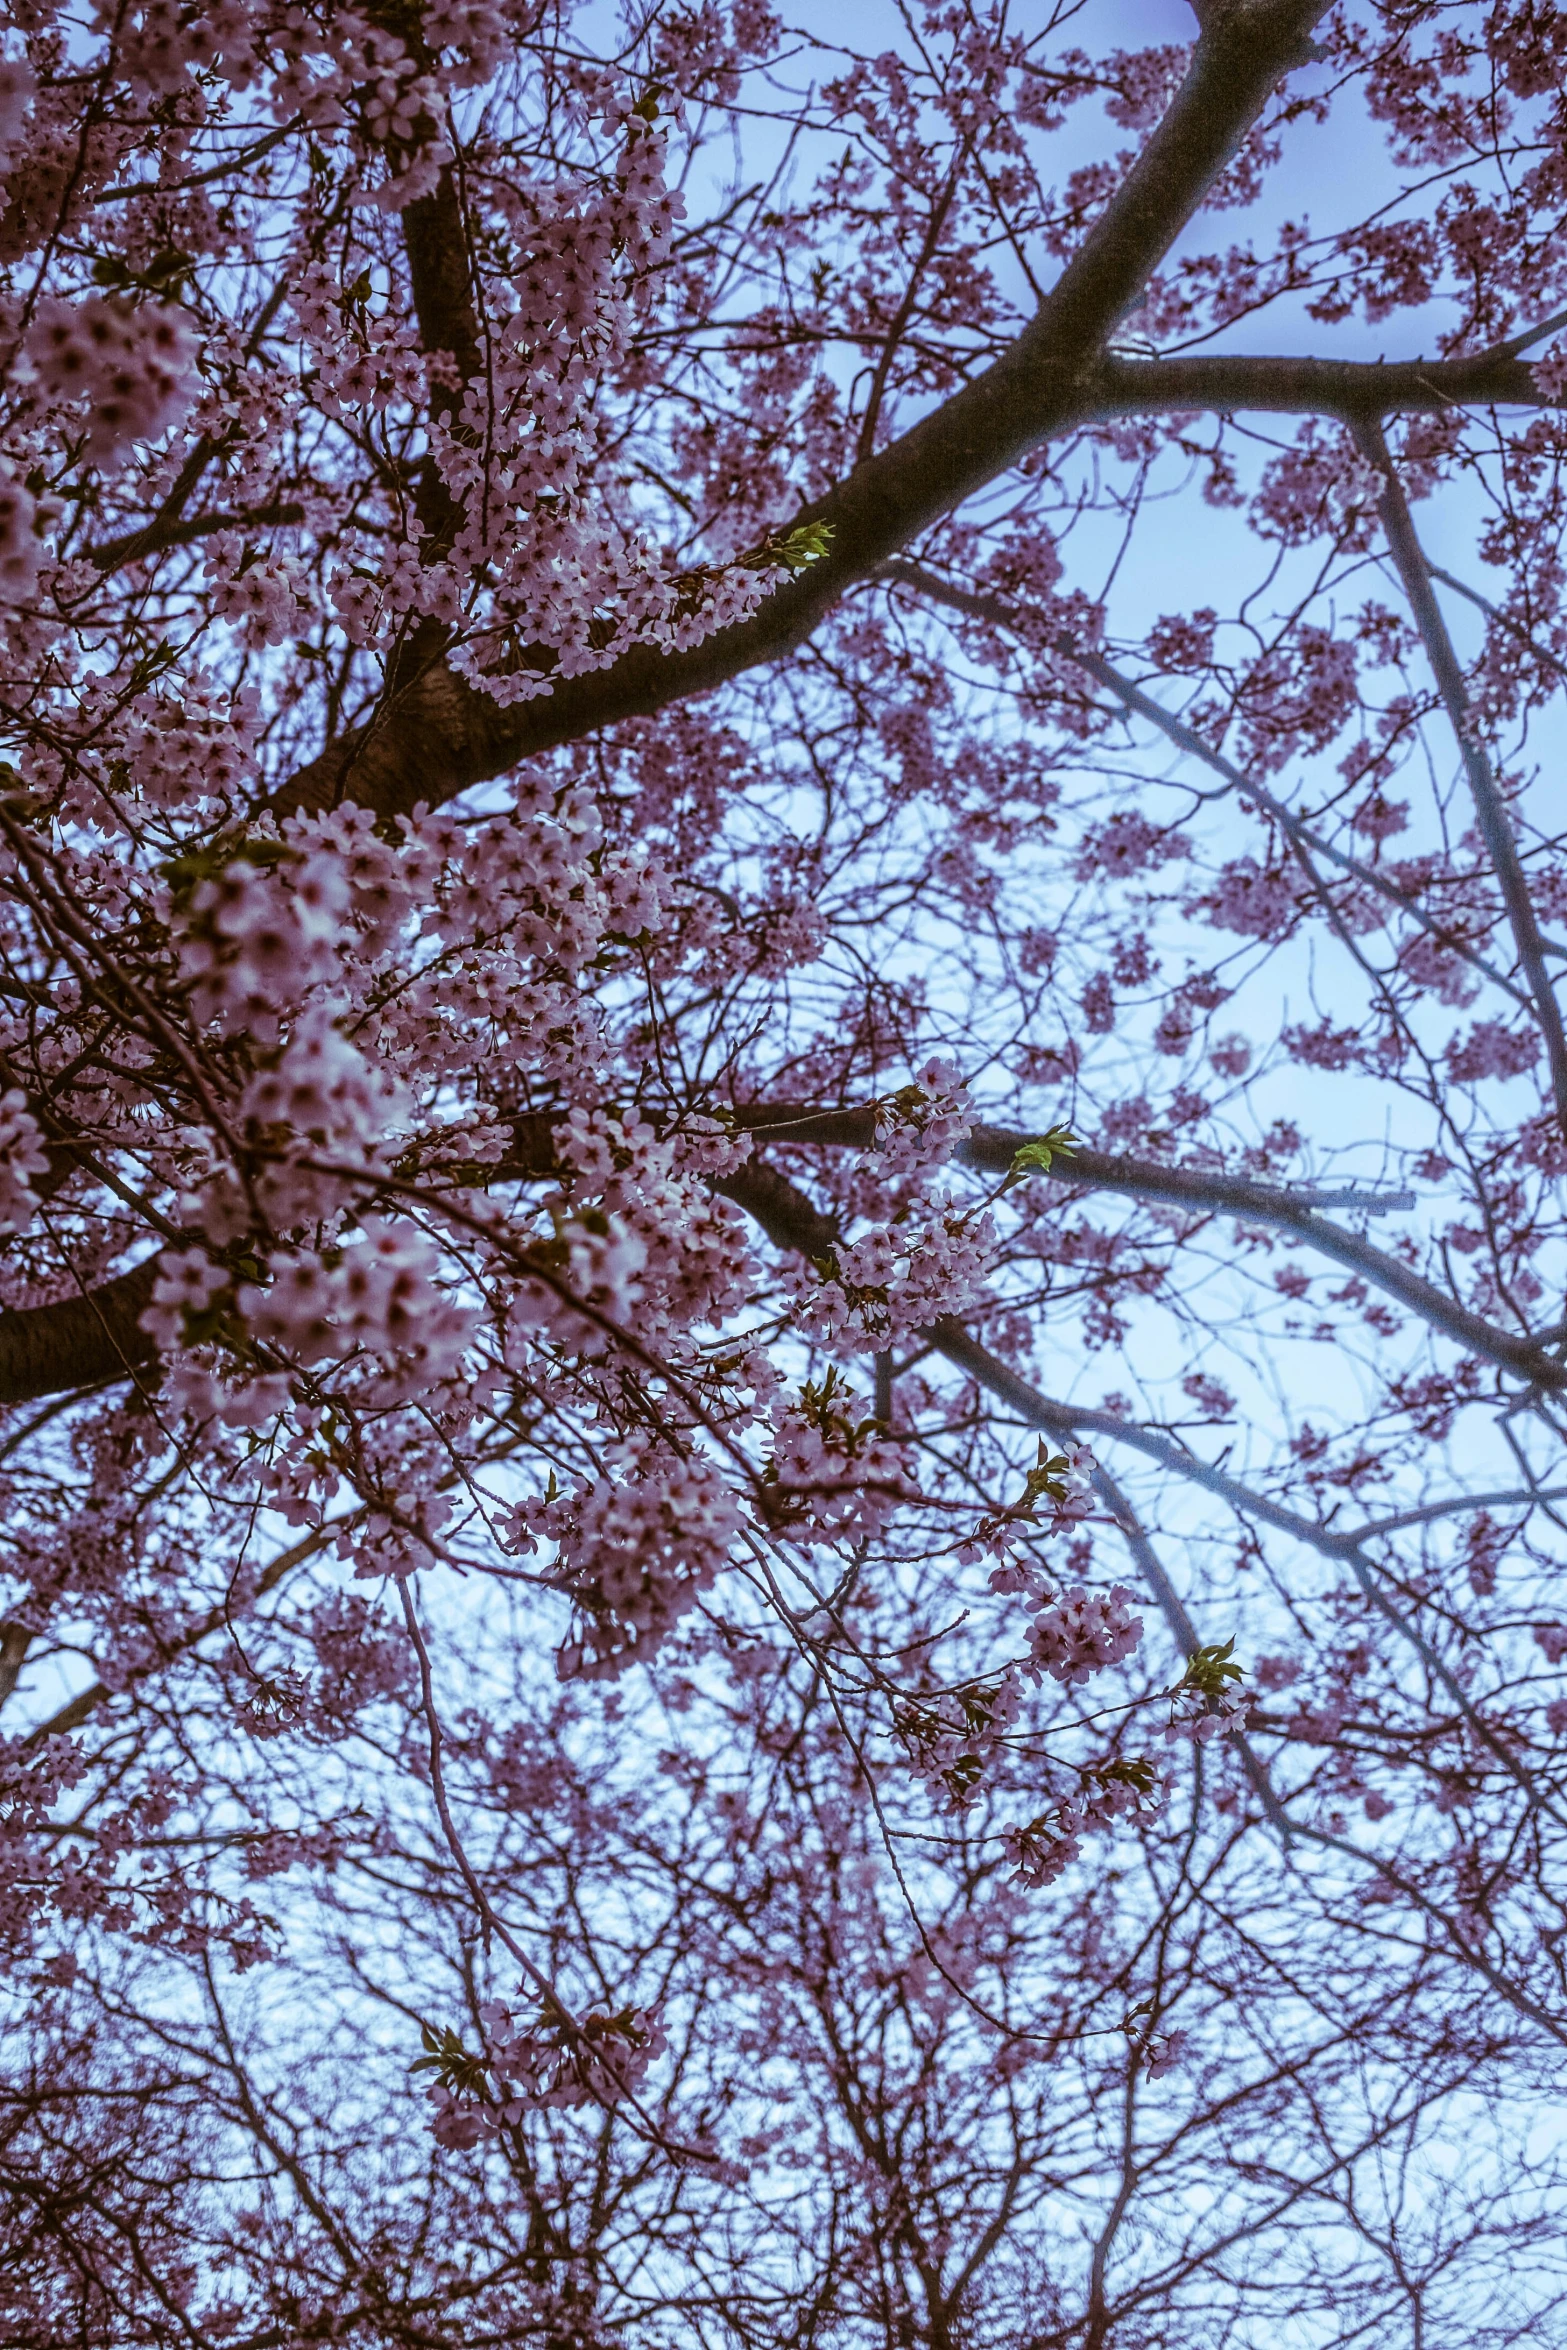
column 782, row 1109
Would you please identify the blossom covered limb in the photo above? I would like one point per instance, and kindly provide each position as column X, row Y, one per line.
column 1001, row 614
column 995, row 1149
column 1063, row 1423
column 48, row 1350
column 438, row 738
column 790, row 1221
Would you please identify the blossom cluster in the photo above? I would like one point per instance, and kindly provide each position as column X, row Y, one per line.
column 924, row 1123
column 635, row 1552
column 679, row 1251
column 1107, row 1793
column 46, row 1878
column 128, row 364
column 834, row 1476
column 1057, row 1495
column 22, row 1156
column 951, row 1735
column 20, row 546
column 536, row 2063
column 1082, row 1633
column 892, row 1282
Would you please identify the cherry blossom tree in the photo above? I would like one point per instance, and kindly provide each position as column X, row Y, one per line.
column 781, row 1116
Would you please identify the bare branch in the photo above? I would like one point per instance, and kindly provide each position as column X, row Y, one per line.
column 1490, row 808
column 1225, row 383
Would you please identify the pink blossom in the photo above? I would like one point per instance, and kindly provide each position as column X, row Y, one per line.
column 1256, row 903
column 833, row 1476
column 635, row 1552
column 22, row 1156
column 1083, row 1633
column 1492, row 1050
column 131, row 365
column 1162, row 2055
column 19, row 544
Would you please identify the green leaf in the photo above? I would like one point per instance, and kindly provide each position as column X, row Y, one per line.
column 1132, row 1771
column 806, row 545
column 161, row 275
column 446, row 2056
column 1208, row 1669
column 1059, row 1143
column 796, row 549
column 210, row 858
column 149, row 665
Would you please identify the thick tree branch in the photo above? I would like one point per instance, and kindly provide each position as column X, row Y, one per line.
column 435, row 240
column 133, row 545
column 48, row 1350
column 1226, row 383
column 15, row 1640
column 80, row 1342
column 792, row 1221
column 993, row 1149
column 438, row 735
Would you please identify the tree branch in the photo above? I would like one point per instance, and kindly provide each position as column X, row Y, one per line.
column 86, row 1702
column 999, row 612
column 1347, row 1549
column 48, row 1350
column 439, row 735
column 993, row 1149
column 79, row 1342
column 1490, row 808
column 791, row 1221
column 1227, row 383
column 1056, row 1421
column 153, row 537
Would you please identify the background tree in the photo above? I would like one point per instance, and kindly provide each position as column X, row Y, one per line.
column 740, row 801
